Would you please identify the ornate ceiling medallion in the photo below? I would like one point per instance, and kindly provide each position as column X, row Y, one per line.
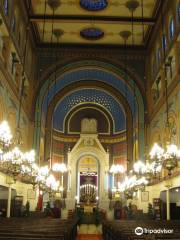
column 92, row 33
column 54, row 4
column 93, row 5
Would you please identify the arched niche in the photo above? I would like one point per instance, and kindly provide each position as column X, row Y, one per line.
column 73, row 119
column 88, row 146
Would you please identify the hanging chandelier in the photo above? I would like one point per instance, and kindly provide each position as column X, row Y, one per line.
column 167, row 158
column 117, row 169
column 15, row 163
column 5, row 136
column 171, row 157
column 59, row 167
column 139, row 168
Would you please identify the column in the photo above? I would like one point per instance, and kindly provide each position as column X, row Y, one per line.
column 9, row 202
column 168, row 204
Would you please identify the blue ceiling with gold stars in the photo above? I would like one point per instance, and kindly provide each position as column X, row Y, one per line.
column 90, row 74
column 93, row 96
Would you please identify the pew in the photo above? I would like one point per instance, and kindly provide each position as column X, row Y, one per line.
column 36, row 229
column 125, row 230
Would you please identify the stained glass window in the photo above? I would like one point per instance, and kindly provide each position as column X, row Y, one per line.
column 154, row 68
column 158, row 55
column 93, row 5
column 6, row 7
column 13, row 23
column 171, row 28
column 92, row 33
column 178, row 12
column 164, row 41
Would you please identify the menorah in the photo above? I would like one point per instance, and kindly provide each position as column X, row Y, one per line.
column 88, row 193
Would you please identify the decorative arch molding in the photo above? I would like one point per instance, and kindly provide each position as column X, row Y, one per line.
column 82, row 149
column 99, row 165
column 91, row 95
column 80, row 84
column 76, row 110
column 112, row 65
column 107, row 69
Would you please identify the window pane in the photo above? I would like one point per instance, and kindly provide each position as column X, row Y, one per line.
column 6, row 7
column 179, row 12
column 164, row 41
column 171, row 28
column 13, row 24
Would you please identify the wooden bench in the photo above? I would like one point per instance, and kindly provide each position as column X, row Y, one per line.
column 125, row 230
column 36, row 229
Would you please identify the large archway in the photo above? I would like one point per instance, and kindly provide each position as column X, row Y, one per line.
column 99, row 72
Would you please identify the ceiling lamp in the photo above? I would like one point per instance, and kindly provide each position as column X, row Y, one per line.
column 132, row 5
column 125, row 35
column 54, row 4
column 58, row 33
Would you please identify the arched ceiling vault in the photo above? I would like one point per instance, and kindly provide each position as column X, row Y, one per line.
column 101, row 73
column 88, row 84
column 86, row 74
column 118, row 68
column 91, row 95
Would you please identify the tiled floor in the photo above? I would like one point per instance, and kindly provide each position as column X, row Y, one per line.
column 89, row 237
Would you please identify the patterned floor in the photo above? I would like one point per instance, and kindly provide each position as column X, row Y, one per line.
column 89, row 237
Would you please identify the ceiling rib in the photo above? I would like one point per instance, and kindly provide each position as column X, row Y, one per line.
column 137, row 20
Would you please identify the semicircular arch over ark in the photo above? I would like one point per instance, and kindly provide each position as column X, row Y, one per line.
column 96, row 71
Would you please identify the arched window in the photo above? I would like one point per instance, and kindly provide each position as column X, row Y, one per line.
column 178, row 11
column 164, row 41
column 158, row 55
column 14, row 23
column 6, row 7
column 19, row 37
column 154, row 68
column 171, row 28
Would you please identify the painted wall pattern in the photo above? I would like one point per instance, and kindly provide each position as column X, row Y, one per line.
column 157, row 126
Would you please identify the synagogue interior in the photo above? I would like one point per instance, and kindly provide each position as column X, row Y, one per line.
column 89, row 119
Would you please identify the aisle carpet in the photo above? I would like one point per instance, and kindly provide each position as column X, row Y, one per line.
column 89, row 237
column 89, row 229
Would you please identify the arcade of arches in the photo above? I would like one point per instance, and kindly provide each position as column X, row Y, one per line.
column 89, row 86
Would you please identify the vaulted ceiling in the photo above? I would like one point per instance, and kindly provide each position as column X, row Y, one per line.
column 96, row 22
